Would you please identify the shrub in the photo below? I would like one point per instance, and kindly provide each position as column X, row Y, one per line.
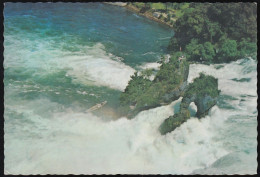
column 228, row 51
column 203, row 85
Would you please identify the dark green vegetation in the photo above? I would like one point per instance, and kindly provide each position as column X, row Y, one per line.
column 165, row 12
column 169, row 83
column 217, row 32
column 204, row 32
column 202, row 86
column 142, row 93
column 203, row 92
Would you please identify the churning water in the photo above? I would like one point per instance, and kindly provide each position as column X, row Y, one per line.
column 63, row 58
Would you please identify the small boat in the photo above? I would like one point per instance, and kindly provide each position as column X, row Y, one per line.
column 97, row 106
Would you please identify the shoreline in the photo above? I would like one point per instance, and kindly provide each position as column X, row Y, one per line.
column 136, row 10
column 147, row 15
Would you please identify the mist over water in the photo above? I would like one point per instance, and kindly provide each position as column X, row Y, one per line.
column 63, row 58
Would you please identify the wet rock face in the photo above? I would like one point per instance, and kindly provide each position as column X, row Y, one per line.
column 166, row 97
column 169, row 85
column 174, row 95
column 172, row 122
column 204, row 104
column 204, row 95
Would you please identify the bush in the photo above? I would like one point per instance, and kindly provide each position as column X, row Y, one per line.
column 136, row 87
column 193, row 50
column 203, row 85
column 228, row 51
column 144, row 9
column 246, row 48
column 208, row 52
column 218, row 25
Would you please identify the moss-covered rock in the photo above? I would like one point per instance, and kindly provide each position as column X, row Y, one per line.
column 168, row 85
column 203, row 92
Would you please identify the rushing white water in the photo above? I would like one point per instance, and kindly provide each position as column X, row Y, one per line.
column 150, row 66
column 91, row 65
column 63, row 58
column 70, row 141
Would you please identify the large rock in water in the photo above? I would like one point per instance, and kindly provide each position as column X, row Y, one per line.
column 204, row 104
column 178, row 91
column 158, row 94
column 172, row 122
column 169, row 84
column 203, row 92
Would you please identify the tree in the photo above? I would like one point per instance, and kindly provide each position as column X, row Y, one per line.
column 219, row 24
column 208, row 52
column 246, row 47
column 193, row 50
column 228, row 51
column 147, row 73
column 136, row 87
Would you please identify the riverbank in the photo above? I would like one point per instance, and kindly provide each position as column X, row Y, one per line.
column 148, row 15
column 136, row 10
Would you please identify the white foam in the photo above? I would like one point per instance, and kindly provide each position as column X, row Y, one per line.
column 81, row 143
column 43, row 138
column 228, row 72
column 150, row 66
column 101, row 70
column 91, row 65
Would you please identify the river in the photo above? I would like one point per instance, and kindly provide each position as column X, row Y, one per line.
column 60, row 59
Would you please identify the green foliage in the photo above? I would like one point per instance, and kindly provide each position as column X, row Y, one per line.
column 171, row 73
column 145, row 8
column 173, row 122
column 193, row 50
column 202, row 86
column 206, row 28
column 228, row 51
column 172, row 9
column 200, row 52
column 158, row 6
column 246, row 48
column 147, row 73
column 197, row 91
column 151, row 96
column 143, row 93
column 139, row 4
column 207, row 52
column 136, row 87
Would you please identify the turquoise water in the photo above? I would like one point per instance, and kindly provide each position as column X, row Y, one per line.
column 45, row 41
column 72, row 25
column 60, row 59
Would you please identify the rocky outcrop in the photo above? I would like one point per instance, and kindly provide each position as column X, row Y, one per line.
column 203, row 92
column 175, row 94
column 203, row 106
column 169, row 84
column 167, row 97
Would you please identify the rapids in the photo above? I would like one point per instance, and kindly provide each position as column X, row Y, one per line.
column 62, row 58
